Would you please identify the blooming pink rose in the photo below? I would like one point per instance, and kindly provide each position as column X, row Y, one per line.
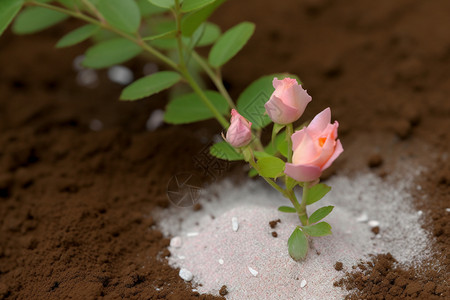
column 315, row 148
column 288, row 101
column 239, row 133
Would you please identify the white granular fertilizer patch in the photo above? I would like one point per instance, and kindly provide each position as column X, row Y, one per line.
column 255, row 265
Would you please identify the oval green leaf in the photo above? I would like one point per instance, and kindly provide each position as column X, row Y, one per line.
column 287, row 209
column 147, row 9
column 225, row 151
column 190, row 5
column 319, row 229
column 77, row 36
column 8, row 10
column 110, row 52
column 150, row 85
column 189, row 108
column 34, row 19
column 317, row 192
column 193, row 20
column 298, row 245
column 163, row 3
column 121, row 14
column 320, row 214
column 270, row 166
column 210, row 35
column 230, row 43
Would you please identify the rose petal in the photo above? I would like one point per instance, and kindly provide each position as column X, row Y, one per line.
column 337, row 151
column 302, row 173
column 307, row 151
column 297, row 97
column 279, row 112
column 320, row 123
column 297, row 138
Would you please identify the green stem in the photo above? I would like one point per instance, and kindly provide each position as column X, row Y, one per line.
column 302, row 212
column 177, row 15
column 289, row 132
column 204, row 98
column 217, row 80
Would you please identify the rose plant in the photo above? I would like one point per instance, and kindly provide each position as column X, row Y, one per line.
column 170, row 32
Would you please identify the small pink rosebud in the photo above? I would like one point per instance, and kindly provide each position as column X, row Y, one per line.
column 288, row 101
column 315, row 148
column 239, row 133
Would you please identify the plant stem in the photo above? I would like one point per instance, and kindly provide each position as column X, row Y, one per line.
column 204, row 98
column 303, row 215
column 214, row 78
column 289, row 132
column 138, row 40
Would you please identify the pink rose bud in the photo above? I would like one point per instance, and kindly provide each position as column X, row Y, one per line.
column 239, row 133
column 315, row 148
column 288, row 101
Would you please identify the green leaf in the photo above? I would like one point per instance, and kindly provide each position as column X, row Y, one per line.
column 210, row 34
column 270, row 166
column 163, row 3
column 281, row 144
column 121, row 14
column 190, row 108
column 298, row 245
column 147, row 9
column 34, row 19
column 192, row 21
column 77, row 36
column 287, row 209
column 190, row 5
column 230, row 43
column 317, row 192
column 165, row 35
column 225, row 151
column 252, row 173
column 319, row 229
column 251, row 101
column 320, row 214
column 163, row 27
column 149, row 85
column 110, row 52
column 8, row 10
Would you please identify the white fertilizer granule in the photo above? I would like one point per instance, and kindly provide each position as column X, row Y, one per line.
column 254, row 264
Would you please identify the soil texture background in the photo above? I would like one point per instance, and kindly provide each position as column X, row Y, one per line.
column 76, row 204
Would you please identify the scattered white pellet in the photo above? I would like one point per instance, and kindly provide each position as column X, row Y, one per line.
column 76, row 64
column 221, row 261
column 234, row 224
column 181, row 256
column 253, row 271
column 175, row 242
column 363, row 218
column 419, row 188
column 303, row 283
column 87, row 77
column 185, row 274
column 419, row 213
column 96, row 125
column 447, row 209
column 155, row 120
column 191, row 234
column 374, row 223
column 120, row 74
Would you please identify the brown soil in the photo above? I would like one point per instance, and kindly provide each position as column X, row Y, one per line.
column 75, row 204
